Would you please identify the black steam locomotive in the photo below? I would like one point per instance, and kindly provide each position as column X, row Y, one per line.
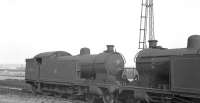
column 171, row 75
column 165, row 75
column 84, row 74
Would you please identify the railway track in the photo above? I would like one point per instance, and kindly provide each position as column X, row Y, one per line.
column 19, row 95
column 12, row 89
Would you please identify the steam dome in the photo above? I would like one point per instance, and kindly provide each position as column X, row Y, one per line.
column 84, row 51
column 194, row 42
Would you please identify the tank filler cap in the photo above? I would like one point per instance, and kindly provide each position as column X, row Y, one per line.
column 194, row 42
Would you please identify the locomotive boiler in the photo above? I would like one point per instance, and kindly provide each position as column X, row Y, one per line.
column 85, row 74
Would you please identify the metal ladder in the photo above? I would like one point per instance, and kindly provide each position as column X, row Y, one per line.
column 146, row 23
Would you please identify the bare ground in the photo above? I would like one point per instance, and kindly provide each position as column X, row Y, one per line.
column 15, row 96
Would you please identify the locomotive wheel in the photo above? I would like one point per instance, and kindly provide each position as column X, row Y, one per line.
column 108, row 99
column 140, row 101
column 131, row 101
column 33, row 89
column 94, row 99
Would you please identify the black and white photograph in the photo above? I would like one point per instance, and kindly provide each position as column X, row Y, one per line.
column 99, row 51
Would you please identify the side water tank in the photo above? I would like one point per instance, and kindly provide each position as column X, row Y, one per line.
column 194, row 42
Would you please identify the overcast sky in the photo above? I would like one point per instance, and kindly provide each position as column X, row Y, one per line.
column 28, row 27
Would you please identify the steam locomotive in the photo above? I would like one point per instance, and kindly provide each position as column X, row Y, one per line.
column 171, row 75
column 84, row 74
column 165, row 75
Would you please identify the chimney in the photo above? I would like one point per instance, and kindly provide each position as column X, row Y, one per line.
column 110, row 48
column 152, row 43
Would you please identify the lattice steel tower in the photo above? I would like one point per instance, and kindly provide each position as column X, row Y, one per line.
column 146, row 24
